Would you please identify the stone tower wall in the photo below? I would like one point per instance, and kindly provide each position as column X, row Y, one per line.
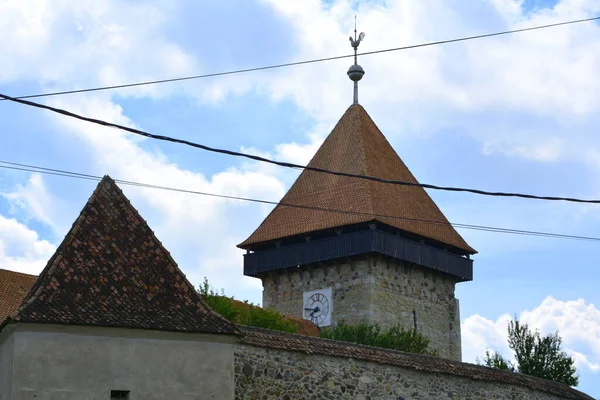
column 376, row 289
column 350, row 282
column 419, row 298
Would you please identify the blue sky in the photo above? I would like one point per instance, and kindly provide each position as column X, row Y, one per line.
column 513, row 113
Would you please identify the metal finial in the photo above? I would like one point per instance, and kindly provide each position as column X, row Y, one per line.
column 355, row 73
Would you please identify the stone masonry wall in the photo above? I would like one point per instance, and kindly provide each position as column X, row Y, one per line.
column 376, row 289
column 418, row 298
column 275, row 374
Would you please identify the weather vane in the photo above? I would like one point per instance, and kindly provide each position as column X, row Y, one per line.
column 355, row 73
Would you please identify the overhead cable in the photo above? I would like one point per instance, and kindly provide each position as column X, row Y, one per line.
column 316, row 60
column 63, row 173
column 293, row 165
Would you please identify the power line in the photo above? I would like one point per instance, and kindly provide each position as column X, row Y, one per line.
column 69, row 174
column 292, row 165
column 316, row 60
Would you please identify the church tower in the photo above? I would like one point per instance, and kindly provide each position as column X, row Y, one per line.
column 339, row 247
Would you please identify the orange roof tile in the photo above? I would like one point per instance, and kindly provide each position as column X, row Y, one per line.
column 13, row 287
column 356, row 146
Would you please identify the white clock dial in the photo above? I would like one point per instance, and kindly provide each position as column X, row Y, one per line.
column 318, row 306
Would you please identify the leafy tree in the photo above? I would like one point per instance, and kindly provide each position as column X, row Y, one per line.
column 395, row 337
column 535, row 355
column 495, row 360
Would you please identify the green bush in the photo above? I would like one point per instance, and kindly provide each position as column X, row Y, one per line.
column 395, row 337
column 245, row 313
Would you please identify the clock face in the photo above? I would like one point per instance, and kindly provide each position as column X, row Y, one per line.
column 318, row 307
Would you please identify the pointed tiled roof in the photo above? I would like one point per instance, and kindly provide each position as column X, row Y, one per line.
column 111, row 270
column 356, row 146
column 13, row 287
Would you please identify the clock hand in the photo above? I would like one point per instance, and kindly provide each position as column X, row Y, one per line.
column 312, row 310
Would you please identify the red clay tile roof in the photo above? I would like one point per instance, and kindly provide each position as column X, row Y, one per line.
column 111, row 270
column 311, row 345
column 356, row 146
column 305, row 327
column 13, row 287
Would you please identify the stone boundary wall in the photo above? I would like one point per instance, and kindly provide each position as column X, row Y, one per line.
column 271, row 365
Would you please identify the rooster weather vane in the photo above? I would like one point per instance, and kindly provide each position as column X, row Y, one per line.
column 355, row 73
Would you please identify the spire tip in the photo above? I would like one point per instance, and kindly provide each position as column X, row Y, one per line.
column 355, row 73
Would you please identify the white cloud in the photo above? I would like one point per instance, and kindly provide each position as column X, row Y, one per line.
column 511, row 71
column 479, row 334
column 485, row 88
column 298, row 153
column 34, row 199
column 77, row 44
column 577, row 322
column 67, row 44
column 546, row 149
column 90, row 43
column 21, row 249
column 508, row 8
column 293, row 152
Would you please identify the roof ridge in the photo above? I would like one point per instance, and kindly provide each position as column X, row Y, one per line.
column 112, row 270
column 51, row 264
column 361, row 134
column 168, row 253
column 407, row 170
column 411, row 178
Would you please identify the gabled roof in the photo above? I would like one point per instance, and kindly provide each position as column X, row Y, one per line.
column 111, row 270
column 13, row 287
column 356, row 146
